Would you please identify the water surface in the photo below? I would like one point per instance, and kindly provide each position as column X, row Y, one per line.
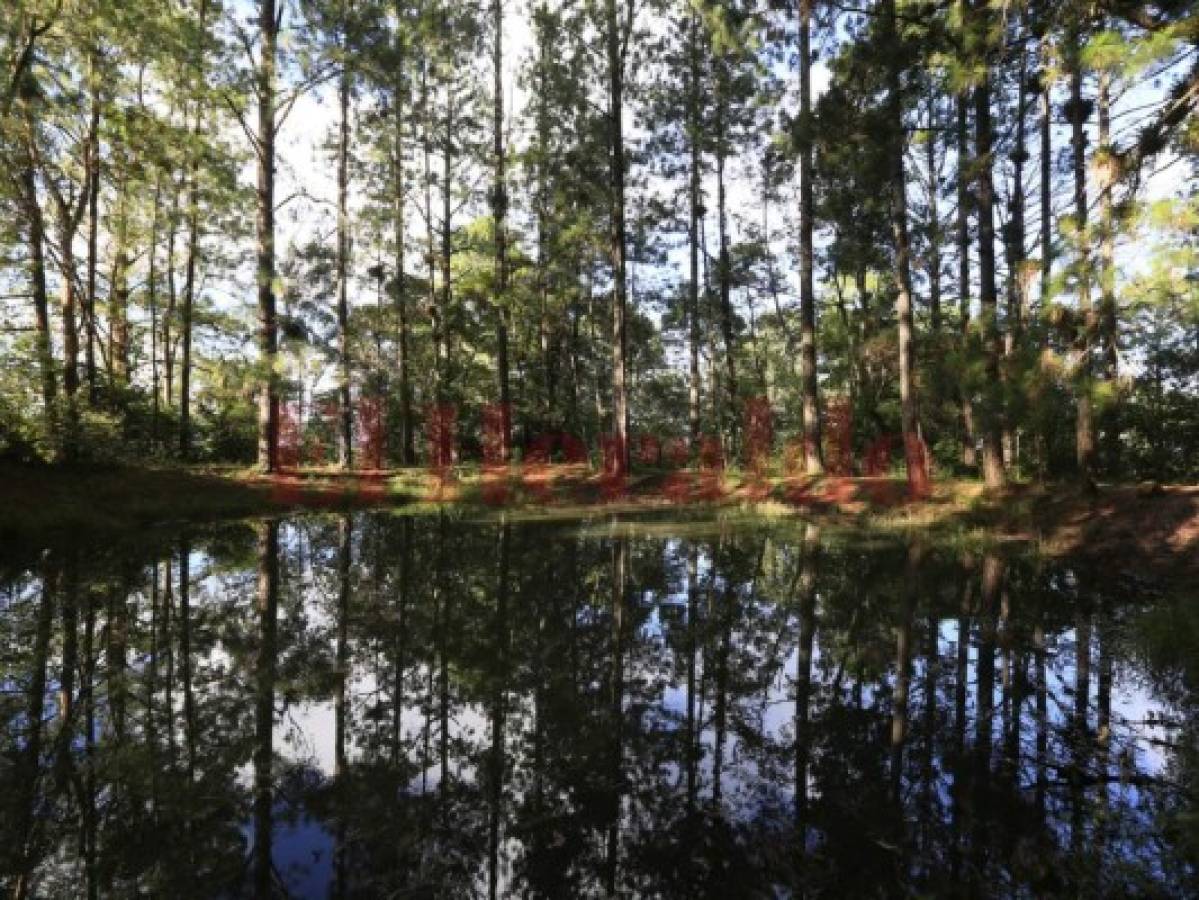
column 383, row 706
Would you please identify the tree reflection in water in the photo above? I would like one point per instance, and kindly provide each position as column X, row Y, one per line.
column 367, row 705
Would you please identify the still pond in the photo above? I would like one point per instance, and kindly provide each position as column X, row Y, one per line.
column 374, row 705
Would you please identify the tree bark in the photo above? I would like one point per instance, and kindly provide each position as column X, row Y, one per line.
column 1108, row 323
column 813, row 453
column 969, row 453
column 1084, row 432
column 193, row 251
column 1017, row 279
column 499, row 212
column 903, row 252
column 93, row 227
column 268, row 337
column 617, row 246
column 694, row 132
column 724, row 267
column 934, row 219
column 345, row 420
column 992, row 461
column 35, row 231
column 118, row 294
column 407, row 448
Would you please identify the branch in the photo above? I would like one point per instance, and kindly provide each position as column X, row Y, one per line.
column 1184, row 99
column 238, row 113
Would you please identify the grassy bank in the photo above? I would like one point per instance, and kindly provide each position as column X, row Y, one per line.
column 1151, row 529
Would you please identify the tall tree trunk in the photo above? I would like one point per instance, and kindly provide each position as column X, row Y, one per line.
column 407, row 447
column 903, row 250
column 168, row 315
column 499, row 213
column 447, row 238
column 70, row 335
column 435, row 312
column 1045, row 127
column 93, row 229
column 813, row 453
column 152, row 302
column 193, row 249
column 1084, row 434
column 118, row 294
column 969, row 452
column 345, row 420
column 1108, row 323
column 694, row 138
column 1017, row 279
column 934, row 218
column 35, row 231
column 617, row 246
column 268, row 337
column 724, row 268
column 992, row 461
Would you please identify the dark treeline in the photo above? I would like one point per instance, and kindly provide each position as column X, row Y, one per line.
column 373, row 706
column 970, row 221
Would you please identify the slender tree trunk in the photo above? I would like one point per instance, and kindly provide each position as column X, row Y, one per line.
column 70, row 337
column 903, row 251
column 724, row 269
column 1045, row 127
column 152, row 301
column 407, row 447
column 934, row 218
column 168, row 316
column 93, row 228
column 969, row 438
column 268, row 338
column 1084, row 424
column 447, row 238
column 992, row 461
column 499, row 213
column 694, row 138
column 118, row 295
column 1017, row 279
column 813, row 453
column 617, row 247
column 435, row 312
column 193, row 251
column 345, row 430
column 1107, row 277
column 35, row 225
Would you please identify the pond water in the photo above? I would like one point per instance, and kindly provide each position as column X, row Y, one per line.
column 373, row 705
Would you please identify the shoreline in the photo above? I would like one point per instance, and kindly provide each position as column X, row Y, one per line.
column 1153, row 529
